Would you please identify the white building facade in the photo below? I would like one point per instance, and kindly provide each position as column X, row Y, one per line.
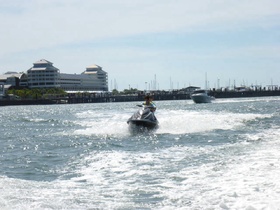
column 44, row 75
column 14, row 79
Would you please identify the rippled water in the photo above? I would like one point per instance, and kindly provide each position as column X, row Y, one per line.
column 223, row 155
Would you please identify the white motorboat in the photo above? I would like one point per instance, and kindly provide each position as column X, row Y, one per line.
column 201, row 96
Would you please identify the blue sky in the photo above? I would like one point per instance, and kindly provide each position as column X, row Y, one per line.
column 145, row 44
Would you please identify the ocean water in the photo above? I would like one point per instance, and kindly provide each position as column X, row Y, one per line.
column 223, row 155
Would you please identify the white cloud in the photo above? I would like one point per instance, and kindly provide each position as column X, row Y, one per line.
column 50, row 29
column 38, row 24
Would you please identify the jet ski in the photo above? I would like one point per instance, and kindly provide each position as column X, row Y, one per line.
column 143, row 118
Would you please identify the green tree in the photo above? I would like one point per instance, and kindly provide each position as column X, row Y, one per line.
column 36, row 93
column 115, row 92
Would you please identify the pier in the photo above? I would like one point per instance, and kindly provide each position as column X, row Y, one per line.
column 107, row 97
column 158, row 96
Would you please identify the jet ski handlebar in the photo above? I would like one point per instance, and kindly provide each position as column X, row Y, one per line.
column 145, row 106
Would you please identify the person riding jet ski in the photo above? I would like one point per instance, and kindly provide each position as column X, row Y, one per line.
column 149, row 102
column 145, row 116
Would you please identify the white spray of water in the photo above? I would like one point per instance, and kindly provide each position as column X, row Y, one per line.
column 170, row 121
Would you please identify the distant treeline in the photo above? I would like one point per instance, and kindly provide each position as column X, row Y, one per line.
column 37, row 93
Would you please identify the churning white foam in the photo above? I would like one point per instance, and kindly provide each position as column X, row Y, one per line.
column 170, row 121
column 94, row 123
column 184, row 121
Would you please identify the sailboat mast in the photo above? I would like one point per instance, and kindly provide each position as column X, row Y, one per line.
column 206, row 85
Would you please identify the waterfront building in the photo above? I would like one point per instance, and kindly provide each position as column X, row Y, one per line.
column 92, row 79
column 14, row 79
column 43, row 75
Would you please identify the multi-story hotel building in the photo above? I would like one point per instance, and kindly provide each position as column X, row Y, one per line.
column 44, row 75
column 92, row 79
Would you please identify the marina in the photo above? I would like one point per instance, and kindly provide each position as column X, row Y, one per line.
column 107, row 97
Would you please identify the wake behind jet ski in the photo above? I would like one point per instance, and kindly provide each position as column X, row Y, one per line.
column 143, row 118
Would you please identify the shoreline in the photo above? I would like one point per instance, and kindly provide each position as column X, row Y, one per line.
column 128, row 98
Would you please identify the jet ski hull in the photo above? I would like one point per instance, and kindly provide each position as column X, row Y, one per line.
column 143, row 123
column 143, row 118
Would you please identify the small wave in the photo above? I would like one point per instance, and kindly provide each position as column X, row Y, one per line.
column 38, row 120
column 180, row 122
column 269, row 135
